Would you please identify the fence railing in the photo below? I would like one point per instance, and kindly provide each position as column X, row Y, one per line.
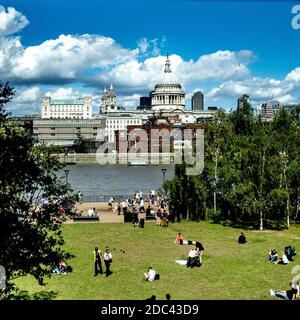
column 94, row 197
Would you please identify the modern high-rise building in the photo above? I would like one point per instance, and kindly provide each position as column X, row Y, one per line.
column 198, row 101
column 270, row 108
column 145, row 103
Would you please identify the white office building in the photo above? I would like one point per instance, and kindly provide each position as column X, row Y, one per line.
column 80, row 108
column 119, row 121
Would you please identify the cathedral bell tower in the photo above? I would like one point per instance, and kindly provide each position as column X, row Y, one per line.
column 108, row 100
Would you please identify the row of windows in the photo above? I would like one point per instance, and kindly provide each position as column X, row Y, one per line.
column 66, row 108
column 128, row 121
column 78, row 128
column 94, row 134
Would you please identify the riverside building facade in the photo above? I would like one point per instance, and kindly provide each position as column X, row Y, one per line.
column 80, row 108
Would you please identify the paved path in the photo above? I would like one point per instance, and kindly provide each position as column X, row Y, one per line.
column 105, row 214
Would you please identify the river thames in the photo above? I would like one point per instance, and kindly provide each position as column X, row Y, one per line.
column 94, row 179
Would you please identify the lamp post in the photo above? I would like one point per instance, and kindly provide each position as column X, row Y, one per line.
column 164, row 174
column 66, row 156
column 67, row 173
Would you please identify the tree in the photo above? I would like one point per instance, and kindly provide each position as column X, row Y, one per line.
column 34, row 202
column 80, row 144
column 251, row 171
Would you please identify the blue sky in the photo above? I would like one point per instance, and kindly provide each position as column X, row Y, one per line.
column 223, row 48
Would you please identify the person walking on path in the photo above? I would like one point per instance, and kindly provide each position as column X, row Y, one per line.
column 119, row 209
column 97, row 261
column 107, row 257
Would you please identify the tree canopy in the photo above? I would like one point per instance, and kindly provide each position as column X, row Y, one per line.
column 34, row 202
column 251, row 171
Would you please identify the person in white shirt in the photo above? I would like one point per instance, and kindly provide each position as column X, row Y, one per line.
column 124, row 206
column 283, row 259
column 107, row 257
column 150, row 274
column 90, row 212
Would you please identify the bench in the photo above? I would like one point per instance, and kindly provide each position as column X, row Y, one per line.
column 150, row 217
column 85, row 218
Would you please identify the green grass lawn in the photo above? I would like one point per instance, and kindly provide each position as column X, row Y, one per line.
column 229, row 270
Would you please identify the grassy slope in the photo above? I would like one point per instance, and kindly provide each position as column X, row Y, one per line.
column 229, row 271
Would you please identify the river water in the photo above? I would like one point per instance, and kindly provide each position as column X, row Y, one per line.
column 95, row 180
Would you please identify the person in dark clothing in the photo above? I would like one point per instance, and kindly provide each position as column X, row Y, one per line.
column 148, row 211
column 242, row 238
column 168, row 296
column 135, row 217
column 97, row 261
column 119, row 208
column 291, row 294
column 199, row 249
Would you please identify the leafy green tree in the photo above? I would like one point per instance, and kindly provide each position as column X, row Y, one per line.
column 251, row 171
column 80, row 144
column 34, row 202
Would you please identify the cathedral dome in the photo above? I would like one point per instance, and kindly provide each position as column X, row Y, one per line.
column 167, row 93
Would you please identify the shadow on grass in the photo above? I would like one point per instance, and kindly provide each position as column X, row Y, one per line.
column 41, row 295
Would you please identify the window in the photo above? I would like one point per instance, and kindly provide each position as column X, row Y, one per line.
column 52, row 134
column 95, row 128
column 77, row 128
column 52, row 128
column 94, row 134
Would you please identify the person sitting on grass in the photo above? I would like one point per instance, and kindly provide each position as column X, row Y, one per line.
column 242, row 238
column 193, row 259
column 291, row 294
column 179, row 239
column 283, row 259
column 273, row 256
column 150, row 274
column 61, row 269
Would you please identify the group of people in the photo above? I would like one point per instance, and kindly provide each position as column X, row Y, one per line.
column 194, row 258
column 162, row 218
column 286, row 255
column 107, row 258
column 62, row 268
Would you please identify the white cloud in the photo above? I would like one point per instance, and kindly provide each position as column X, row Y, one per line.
column 294, row 75
column 220, row 65
column 65, row 93
column 260, row 89
column 11, row 21
column 29, row 95
column 67, row 58
column 150, row 46
column 286, row 99
column 130, row 101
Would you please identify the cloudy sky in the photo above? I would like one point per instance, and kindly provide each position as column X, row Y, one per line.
column 65, row 48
